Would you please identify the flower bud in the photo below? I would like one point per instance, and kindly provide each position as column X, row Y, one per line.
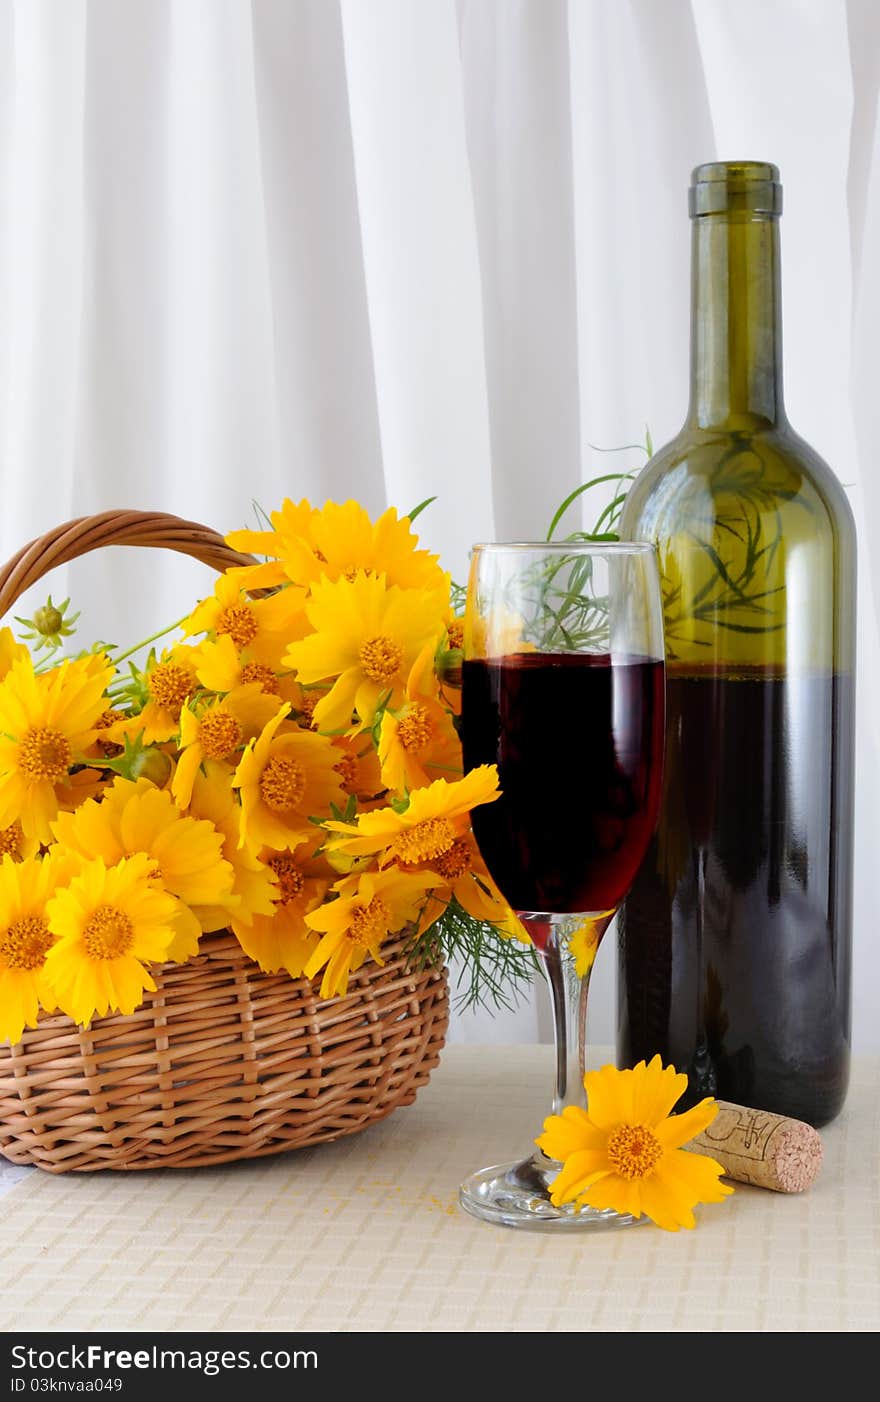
column 151, row 764
column 48, row 620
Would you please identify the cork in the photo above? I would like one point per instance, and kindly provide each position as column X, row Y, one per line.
column 754, row 1146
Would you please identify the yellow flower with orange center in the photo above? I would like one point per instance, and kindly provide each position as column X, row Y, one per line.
column 462, row 876
column 285, row 777
column 427, row 829
column 283, row 940
column 221, row 667
column 367, row 637
column 25, row 940
column 370, row 906
column 357, row 765
column 109, row 924
column 185, row 853
column 47, row 723
column 218, row 731
column 624, row 1151
column 418, row 742
column 170, row 681
column 262, row 627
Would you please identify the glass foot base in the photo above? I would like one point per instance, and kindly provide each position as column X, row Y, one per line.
column 518, row 1195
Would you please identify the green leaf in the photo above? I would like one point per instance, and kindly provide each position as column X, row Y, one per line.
column 579, row 491
column 417, row 510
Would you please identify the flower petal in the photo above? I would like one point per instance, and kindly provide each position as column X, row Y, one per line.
column 612, row 1192
column 609, row 1097
column 656, row 1088
column 665, row 1208
column 578, row 1172
column 680, row 1129
column 569, row 1133
column 697, row 1174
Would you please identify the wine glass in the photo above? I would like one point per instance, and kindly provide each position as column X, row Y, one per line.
column 562, row 689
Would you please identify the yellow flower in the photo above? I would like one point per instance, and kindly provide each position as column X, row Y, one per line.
column 10, row 651
column 427, row 829
column 219, row 731
column 14, row 843
column 367, row 637
column 263, row 626
column 285, row 777
column 290, row 535
column 462, row 876
column 222, row 667
column 136, row 818
column 47, row 721
column 418, row 742
column 584, row 942
column 283, row 940
column 495, row 635
column 370, row 905
column 253, row 890
column 624, row 1151
column 25, row 940
column 357, row 765
column 110, row 922
column 340, row 539
column 171, row 680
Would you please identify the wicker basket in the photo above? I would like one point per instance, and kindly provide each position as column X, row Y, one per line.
column 223, row 1061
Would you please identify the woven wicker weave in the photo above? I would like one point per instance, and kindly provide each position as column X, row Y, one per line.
column 223, row 1061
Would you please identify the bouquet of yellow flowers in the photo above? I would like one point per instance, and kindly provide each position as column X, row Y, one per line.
column 288, row 769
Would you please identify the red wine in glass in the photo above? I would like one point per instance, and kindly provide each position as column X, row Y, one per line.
column 578, row 741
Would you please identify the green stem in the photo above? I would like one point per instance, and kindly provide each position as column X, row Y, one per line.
column 123, row 657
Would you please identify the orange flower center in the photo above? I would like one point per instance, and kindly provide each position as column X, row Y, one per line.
column 453, row 864
column 414, row 729
column 44, row 754
column 282, row 784
column 381, row 658
column 633, row 1151
column 108, row 933
column 104, row 721
column 259, row 672
column 108, row 718
column 369, row 923
column 455, row 632
column 26, row 943
column 239, row 622
column 170, row 685
column 424, row 842
column 347, row 769
column 219, row 732
column 307, row 711
column 290, row 878
column 11, row 840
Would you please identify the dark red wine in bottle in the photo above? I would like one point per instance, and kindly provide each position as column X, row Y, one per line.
column 735, row 938
column 578, row 741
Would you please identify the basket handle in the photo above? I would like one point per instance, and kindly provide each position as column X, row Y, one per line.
column 149, row 528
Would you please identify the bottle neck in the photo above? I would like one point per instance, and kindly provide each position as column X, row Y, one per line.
column 736, row 324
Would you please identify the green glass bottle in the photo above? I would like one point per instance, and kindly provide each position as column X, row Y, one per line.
column 735, row 940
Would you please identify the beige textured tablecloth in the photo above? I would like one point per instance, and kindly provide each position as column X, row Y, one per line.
column 366, row 1234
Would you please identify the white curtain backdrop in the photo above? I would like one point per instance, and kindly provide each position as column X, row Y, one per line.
column 398, row 248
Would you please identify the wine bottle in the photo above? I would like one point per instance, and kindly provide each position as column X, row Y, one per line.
column 735, row 940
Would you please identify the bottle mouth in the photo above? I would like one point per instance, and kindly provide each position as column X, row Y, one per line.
column 735, row 187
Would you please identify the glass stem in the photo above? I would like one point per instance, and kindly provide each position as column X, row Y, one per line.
column 568, row 999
